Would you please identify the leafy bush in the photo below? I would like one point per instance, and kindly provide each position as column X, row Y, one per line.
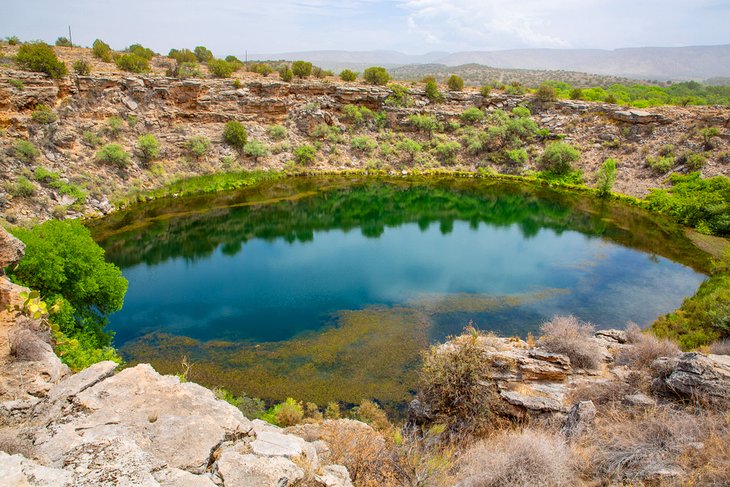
column 606, row 177
column 17, row 84
column 364, row 144
column 39, row 57
column 521, row 112
column 22, row 188
column 63, row 42
column 276, row 132
column 262, row 68
column 400, row 96
column 114, row 127
column 287, row 413
column 455, row 83
column 185, row 70
column 255, row 149
column 43, row 115
column 220, row 68
column 203, row 54
column 518, row 157
column 660, row 164
column 182, row 56
column 149, row 147
column 113, row 154
column 559, row 157
column 90, row 138
column 376, row 75
column 348, row 75
column 424, row 123
column 695, row 161
column 432, row 91
column 331, row 133
column 12, row 40
column 332, row 411
column 53, row 180
column 198, row 146
column 576, row 94
column 472, row 115
column 132, row 63
column 305, row 155
column 102, row 51
column 707, row 134
column 446, row 151
column 26, row 151
column 515, row 88
column 409, row 146
column 141, row 51
column 82, row 68
column 571, row 337
column 234, row 134
column 301, row 69
column 286, row 74
column 485, row 90
column 545, row 94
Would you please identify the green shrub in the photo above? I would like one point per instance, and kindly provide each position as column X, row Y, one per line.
column 12, row 40
column 576, row 94
column 330, row 133
column 198, row 146
column 559, row 157
column 43, row 115
column 17, row 84
column 53, row 180
column 332, row 411
column 39, row 57
column 515, row 88
column 364, row 144
column 182, row 56
column 91, row 139
column 102, row 51
column 400, row 96
column 113, row 154
column 185, row 70
column 455, row 83
column 446, row 151
column 220, row 68
column 26, row 151
column 409, row 146
column 432, row 91
column 149, row 147
column 234, row 134
column 305, row 154
column 472, row 115
column 285, row 414
column 23, row 188
column 606, row 177
column 262, row 68
column 695, row 161
column 301, row 69
column 424, row 123
column 114, row 127
column 320, row 73
column 286, row 74
column 132, row 63
column 276, row 132
column 63, row 42
column 203, row 54
column 255, row 149
column 521, row 112
column 376, row 75
column 545, row 94
column 348, row 75
column 485, row 90
column 141, row 51
column 518, row 157
column 370, row 413
column 660, row 164
column 707, row 134
column 82, row 68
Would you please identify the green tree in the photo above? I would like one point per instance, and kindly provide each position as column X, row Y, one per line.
column 102, row 51
column 606, row 177
column 132, row 63
column 39, row 57
column 559, row 157
column 203, row 54
column 234, row 134
column 455, row 83
column 348, row 75
column 285, row 74
column 301, row 69
column 182, row 56
column 376, row 75
column 141, row 51
column 149, row 147
column 432, row 90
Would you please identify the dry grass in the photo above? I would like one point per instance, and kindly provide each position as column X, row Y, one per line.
column 571, row 337
column 645, row 348
column 531, row 458
column 720, row 347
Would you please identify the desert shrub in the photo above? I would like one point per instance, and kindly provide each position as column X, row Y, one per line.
column 707, row 134
column 39, row 57
column 203, row 54
column 370, row 413
column 251, row 407
column 22, row 188
column 220, row 68
column 320, row 73
column 545, row 94
column 695, row 161
column 571, row 337
column 446, row 151
column 485, row 90
column 284, row 414
column 63, row 42
column 472, row 115
column 132, row 63
column 305, row 154
column 332, row 411
column 255, row 149
column 348, row 75
column 432, row 91
column 330, row 133
column 364, row 144
column 17, row 84
column 198, row 146
column 101, row 51
column 114, row 127
column 452, row 385
column 82, row 68
column 141, row 51
column 521, row 112
column 12, row 40
column 518, row 157
column 409, row 146
column 43, row 115
column 182, row 56
column 114, row 155
column 720, row 347
column 424, row 123
column 660, row 164
column 276, row 132
column 645, row 348
column 455, row 83
column 515, row 88
column 234, row 134
column 606, row 177
column 518, row 459
column 576, row 94
column 286, row 74
column 26, row 151
column 559, row 157
column 262, row 68
column 90, row 138
column 149, row 147
column 376, row 75
column 357, row 115
column 301, row 69
column 185, row 70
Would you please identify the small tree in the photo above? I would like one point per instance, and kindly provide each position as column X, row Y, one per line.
column 432, row 91
column 39, row 57
column 376, row 75
column 132, row 63
column 285, row 74
column 63, row 42
column 305, row 155
column 220, row 68
column 455, row 83
column 348, row 75
column 102, row 51
column 149, row 147
column 301, row 69
column 559, row 157
column 203, row 54
column 234, row 134
column 606, row 177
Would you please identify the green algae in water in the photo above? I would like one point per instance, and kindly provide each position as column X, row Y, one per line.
column 328, row 288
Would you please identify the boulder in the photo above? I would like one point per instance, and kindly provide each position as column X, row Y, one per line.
column 174, row 477
column 16, row 470
column 11, row 250
column 245, row 470
column 275, row 444
column 638, row 117
column 693, row 376
column 613, row 335
column 334, row 476
column 579, row 418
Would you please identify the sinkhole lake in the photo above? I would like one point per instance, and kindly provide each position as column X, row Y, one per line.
column 328, row 288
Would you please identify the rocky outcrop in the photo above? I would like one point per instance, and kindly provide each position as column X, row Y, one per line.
column 694, row 376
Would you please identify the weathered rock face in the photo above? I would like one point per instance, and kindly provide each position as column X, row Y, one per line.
column 11, row 250
column 694, row 376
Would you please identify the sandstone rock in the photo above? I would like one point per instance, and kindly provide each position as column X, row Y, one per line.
column 694, row 375
column 237, row 470
column 275, row 444
column 536, row 404
column 580, row 417
column 18, row 471
column 638, row 117
column 81, row 381
column 11, row 250
column 334, row 476
column 173, row 477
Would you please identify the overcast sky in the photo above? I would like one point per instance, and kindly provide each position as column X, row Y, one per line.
column 412, row 26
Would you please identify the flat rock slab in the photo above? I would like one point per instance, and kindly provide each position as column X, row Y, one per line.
column 237, row 470
column 275, row 444
column 16, row 470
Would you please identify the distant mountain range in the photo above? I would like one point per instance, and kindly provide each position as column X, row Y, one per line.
column 645, row 63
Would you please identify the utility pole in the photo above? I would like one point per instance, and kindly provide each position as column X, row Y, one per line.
column 70, row 39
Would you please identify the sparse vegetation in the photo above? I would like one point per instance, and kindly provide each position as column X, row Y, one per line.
column 606, row 177
column 276, row 132
column 82, row 68
column 569, row 336
column 198, row 146
column 255, row 149
column 25, row 151
column 43, row 115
